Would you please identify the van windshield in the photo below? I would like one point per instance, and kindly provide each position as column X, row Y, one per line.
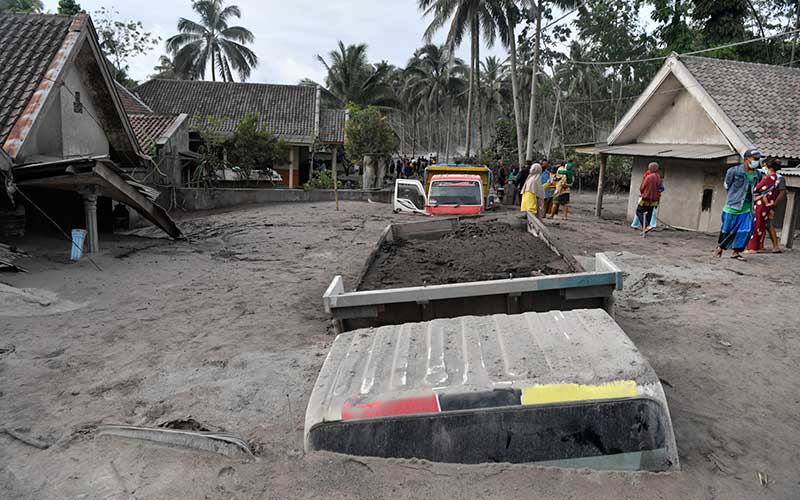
column 455, row 193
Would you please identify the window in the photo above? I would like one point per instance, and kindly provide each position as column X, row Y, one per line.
column 708, row 198
column 77, row 105
column 456, row 193
column 412, row 194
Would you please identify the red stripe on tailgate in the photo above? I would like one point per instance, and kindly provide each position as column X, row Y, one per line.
column 378, row 409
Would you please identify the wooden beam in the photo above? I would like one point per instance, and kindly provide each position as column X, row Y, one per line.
column 789, row 219
column 598, row 209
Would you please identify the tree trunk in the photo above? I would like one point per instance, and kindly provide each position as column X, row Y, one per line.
column 480, row 104
column 532, row 113
column 794, row 38
column 512, row 44
column 449, row 130
column 470, row 96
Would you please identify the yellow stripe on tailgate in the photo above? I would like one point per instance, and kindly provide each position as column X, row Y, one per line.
column 564, row 393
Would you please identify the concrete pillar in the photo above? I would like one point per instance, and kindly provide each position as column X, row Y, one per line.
column 789, row 219
column 598, row 209
column 291, row 166
column 334, row 167
column 90, row 206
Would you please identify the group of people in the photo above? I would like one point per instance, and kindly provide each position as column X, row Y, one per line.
column 541, row 189
column 405, row 168
column 755, row 189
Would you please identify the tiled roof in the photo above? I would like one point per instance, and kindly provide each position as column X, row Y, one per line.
column 763, row 101
column 131, row 102
column 28, row 44
column 285, row 110
column 150, row 127
column 331, row 126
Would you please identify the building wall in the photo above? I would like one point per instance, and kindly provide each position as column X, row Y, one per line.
column 81, row 134
column 685, row 183
column 61, row 132
column 168, row 159
column 293, row 158
column 683, row 122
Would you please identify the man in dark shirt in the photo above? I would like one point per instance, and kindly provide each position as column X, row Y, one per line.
column 523, row 176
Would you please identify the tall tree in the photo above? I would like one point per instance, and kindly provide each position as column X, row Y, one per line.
column 467, row 16
column 212, row 41
column 68, row 7
column 539, row 9
column 509, row 38
column 122, row 40
column 21, row 6
column 351, row 79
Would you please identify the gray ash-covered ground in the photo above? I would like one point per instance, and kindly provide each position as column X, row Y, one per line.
column 476, row 252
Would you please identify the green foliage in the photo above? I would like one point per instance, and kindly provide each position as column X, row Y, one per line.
column 69, row 7
column 212, row 155
column 21, row 6
column 503, row 149
column 212, row 41
column 321, row 180
column 367, row 132
column 351, row 79
column 252, row 149
column 122, row 40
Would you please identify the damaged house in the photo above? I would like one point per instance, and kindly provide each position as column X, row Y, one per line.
column 293, row 113
column 67, row 142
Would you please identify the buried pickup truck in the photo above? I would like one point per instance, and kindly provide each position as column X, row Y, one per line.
column 564, row 389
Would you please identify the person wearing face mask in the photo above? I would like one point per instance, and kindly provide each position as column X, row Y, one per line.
column 737, row 216
column 766, row 193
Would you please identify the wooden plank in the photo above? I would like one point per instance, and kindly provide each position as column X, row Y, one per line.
column 537, row 228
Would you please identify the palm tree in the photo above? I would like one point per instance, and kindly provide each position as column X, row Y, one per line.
column 464, row 16
column 167, row 70
column 213, row 41
column 495, row 87
column 509, row 39
column 431, row 75
column 538, row 7
column 351, row 79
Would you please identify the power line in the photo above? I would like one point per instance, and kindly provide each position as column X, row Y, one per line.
column 576, row 9
column 692, row 53
column 628, row 97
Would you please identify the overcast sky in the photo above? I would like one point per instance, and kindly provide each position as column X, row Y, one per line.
column 289, row 33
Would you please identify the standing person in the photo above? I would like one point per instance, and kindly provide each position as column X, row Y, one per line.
column 653, row 218
column 565, row 176
column 766, row 194
column 549, row 191
column 650, row 195
column 737, row 216
column 773, row 233
column 532, row 191
column 521, row 179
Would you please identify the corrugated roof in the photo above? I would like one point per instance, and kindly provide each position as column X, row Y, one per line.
column 761, row 100
column 476, row 354
column 28, row 44
column 288, row 111
column 331, row 126
column 687, row 151
column 150, row 127
column 791, row 172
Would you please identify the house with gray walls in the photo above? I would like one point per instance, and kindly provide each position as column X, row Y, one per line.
column 64, row 129
column 696, row 118
column 293, row 113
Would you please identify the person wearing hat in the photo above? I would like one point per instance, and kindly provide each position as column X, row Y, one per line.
column 737, row 216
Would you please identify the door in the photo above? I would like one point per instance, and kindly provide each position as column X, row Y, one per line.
column 409, row 196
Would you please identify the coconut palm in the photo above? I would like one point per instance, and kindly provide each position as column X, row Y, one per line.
column 213, row 41
column 352, row 79
column 494, row 87
column 538, row 8
column 467, row 16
